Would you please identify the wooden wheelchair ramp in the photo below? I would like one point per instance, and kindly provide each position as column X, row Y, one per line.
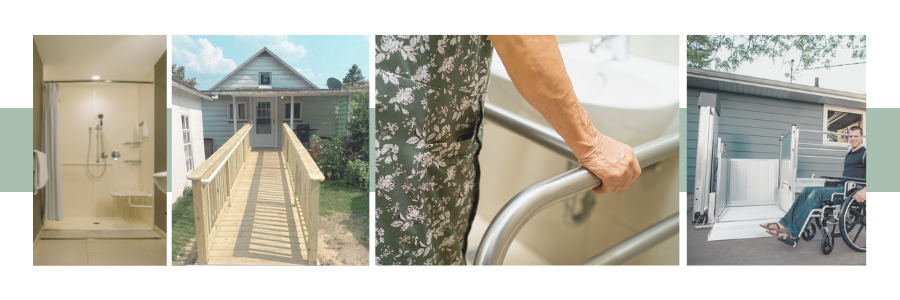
column 262, row 225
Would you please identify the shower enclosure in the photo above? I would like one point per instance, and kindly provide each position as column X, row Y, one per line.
column 101, row 168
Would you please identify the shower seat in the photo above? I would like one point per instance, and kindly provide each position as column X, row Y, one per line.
column 129, row 195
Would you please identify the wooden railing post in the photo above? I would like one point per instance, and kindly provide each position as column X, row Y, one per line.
column 313, row 221
column 200, row 221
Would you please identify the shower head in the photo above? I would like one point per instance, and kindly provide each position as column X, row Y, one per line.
column 101, row 121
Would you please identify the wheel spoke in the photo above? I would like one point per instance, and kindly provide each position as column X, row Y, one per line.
column 857, row 234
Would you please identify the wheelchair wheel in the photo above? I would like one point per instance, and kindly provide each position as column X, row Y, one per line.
column 809, row 232
column 853, row 224
column 827, row 241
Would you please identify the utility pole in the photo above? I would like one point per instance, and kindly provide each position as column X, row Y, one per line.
column 792, row 71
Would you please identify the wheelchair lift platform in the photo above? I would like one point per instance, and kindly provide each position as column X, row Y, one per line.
column 743, row 222
column 734, row 195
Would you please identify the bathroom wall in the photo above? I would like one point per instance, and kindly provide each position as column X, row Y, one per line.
column 145, row 176
column 662, row 48
column 160, row 139
column 37, row 110
column 80, row 105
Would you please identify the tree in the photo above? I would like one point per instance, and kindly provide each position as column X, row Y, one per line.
column 354, row 76
column 178, row 72
column 707, row 51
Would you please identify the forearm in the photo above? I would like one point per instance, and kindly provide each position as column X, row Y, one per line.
column 536, row 68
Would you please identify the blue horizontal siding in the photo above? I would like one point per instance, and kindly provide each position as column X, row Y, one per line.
column 750, row 126
column 248, row 76
column 318, row 112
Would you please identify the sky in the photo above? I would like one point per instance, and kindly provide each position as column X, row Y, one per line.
column 211, row 57
column 846, row 78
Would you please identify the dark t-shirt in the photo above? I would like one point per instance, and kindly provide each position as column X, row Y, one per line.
column 855, row 163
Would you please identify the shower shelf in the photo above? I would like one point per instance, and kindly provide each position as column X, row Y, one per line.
column 134, row 162
column 130, row 194
column 134, row 144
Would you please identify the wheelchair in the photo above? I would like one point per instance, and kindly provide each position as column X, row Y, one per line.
column 845, row 216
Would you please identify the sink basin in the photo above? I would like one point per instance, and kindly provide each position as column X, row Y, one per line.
column 160, row 180
column 632, row 101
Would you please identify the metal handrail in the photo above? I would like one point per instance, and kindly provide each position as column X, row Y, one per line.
column 533, row 199
column 638, row 243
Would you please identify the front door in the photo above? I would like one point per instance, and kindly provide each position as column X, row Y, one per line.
column 264, row 125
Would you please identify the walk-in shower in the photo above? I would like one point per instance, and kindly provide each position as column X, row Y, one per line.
column 97, row 205
column 105, row 186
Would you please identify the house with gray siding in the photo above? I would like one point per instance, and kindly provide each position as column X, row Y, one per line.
column 755, row 112
column 267, row 92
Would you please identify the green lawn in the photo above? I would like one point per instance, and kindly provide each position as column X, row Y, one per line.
column 182, row 222
column 354, row 202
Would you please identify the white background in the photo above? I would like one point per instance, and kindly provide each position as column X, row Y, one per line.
column 21, row 20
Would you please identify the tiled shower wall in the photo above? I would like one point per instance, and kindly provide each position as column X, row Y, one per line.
column 85, row 196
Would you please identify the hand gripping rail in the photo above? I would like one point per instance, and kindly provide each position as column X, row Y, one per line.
column 533, row 199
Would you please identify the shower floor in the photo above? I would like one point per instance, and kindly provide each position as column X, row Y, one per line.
column 87, row 223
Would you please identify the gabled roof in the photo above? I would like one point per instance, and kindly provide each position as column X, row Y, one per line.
column 736, row 83
column 261, row 51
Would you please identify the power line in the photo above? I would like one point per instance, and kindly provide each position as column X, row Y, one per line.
column 857, row 63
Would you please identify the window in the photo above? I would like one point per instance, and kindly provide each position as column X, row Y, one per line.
column 265, row 78
column 298, row 110
column 242, row 113
column 186, row 137
column 839, row 119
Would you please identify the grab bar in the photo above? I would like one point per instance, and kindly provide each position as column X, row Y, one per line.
column 529, row 129
column 533, row 199
column 638, row 243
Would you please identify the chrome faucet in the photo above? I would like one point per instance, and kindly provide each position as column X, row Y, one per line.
column 619, row 45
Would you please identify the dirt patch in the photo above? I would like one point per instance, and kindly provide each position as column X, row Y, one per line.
column 188, row 259
column 343, row 240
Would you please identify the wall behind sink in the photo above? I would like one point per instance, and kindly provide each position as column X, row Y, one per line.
column 662, row 48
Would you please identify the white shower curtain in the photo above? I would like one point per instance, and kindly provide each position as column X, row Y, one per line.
column 53, row 195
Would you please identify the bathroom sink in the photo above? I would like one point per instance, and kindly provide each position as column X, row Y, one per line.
column 160, row 179
column 632, row 101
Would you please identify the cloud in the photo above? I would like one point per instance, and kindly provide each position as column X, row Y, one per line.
column 201, row 56
column 308, row 73
column 277, row 43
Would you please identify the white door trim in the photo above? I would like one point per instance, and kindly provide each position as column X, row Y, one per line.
column 264, row 140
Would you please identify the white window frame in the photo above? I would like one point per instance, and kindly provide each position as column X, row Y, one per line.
column 186, row 137
column 825, row 110
column 230, row 111
column 287, row 114
column 259, row 79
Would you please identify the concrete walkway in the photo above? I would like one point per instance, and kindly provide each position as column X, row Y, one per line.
column 766, row 251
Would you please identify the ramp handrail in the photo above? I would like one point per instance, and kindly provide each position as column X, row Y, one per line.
column 212, row 187
column 513, row 216
column 304, row 176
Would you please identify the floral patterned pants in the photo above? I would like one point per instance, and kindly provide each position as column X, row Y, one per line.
column 429, row 97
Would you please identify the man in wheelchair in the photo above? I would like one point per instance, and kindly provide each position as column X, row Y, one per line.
column 812, row 198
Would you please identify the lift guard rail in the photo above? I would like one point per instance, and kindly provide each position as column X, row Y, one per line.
column 513, row 216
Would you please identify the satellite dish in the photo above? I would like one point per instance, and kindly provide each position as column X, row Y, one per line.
column 334, row 84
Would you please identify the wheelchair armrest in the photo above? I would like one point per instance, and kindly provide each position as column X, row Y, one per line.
column 856, row 179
